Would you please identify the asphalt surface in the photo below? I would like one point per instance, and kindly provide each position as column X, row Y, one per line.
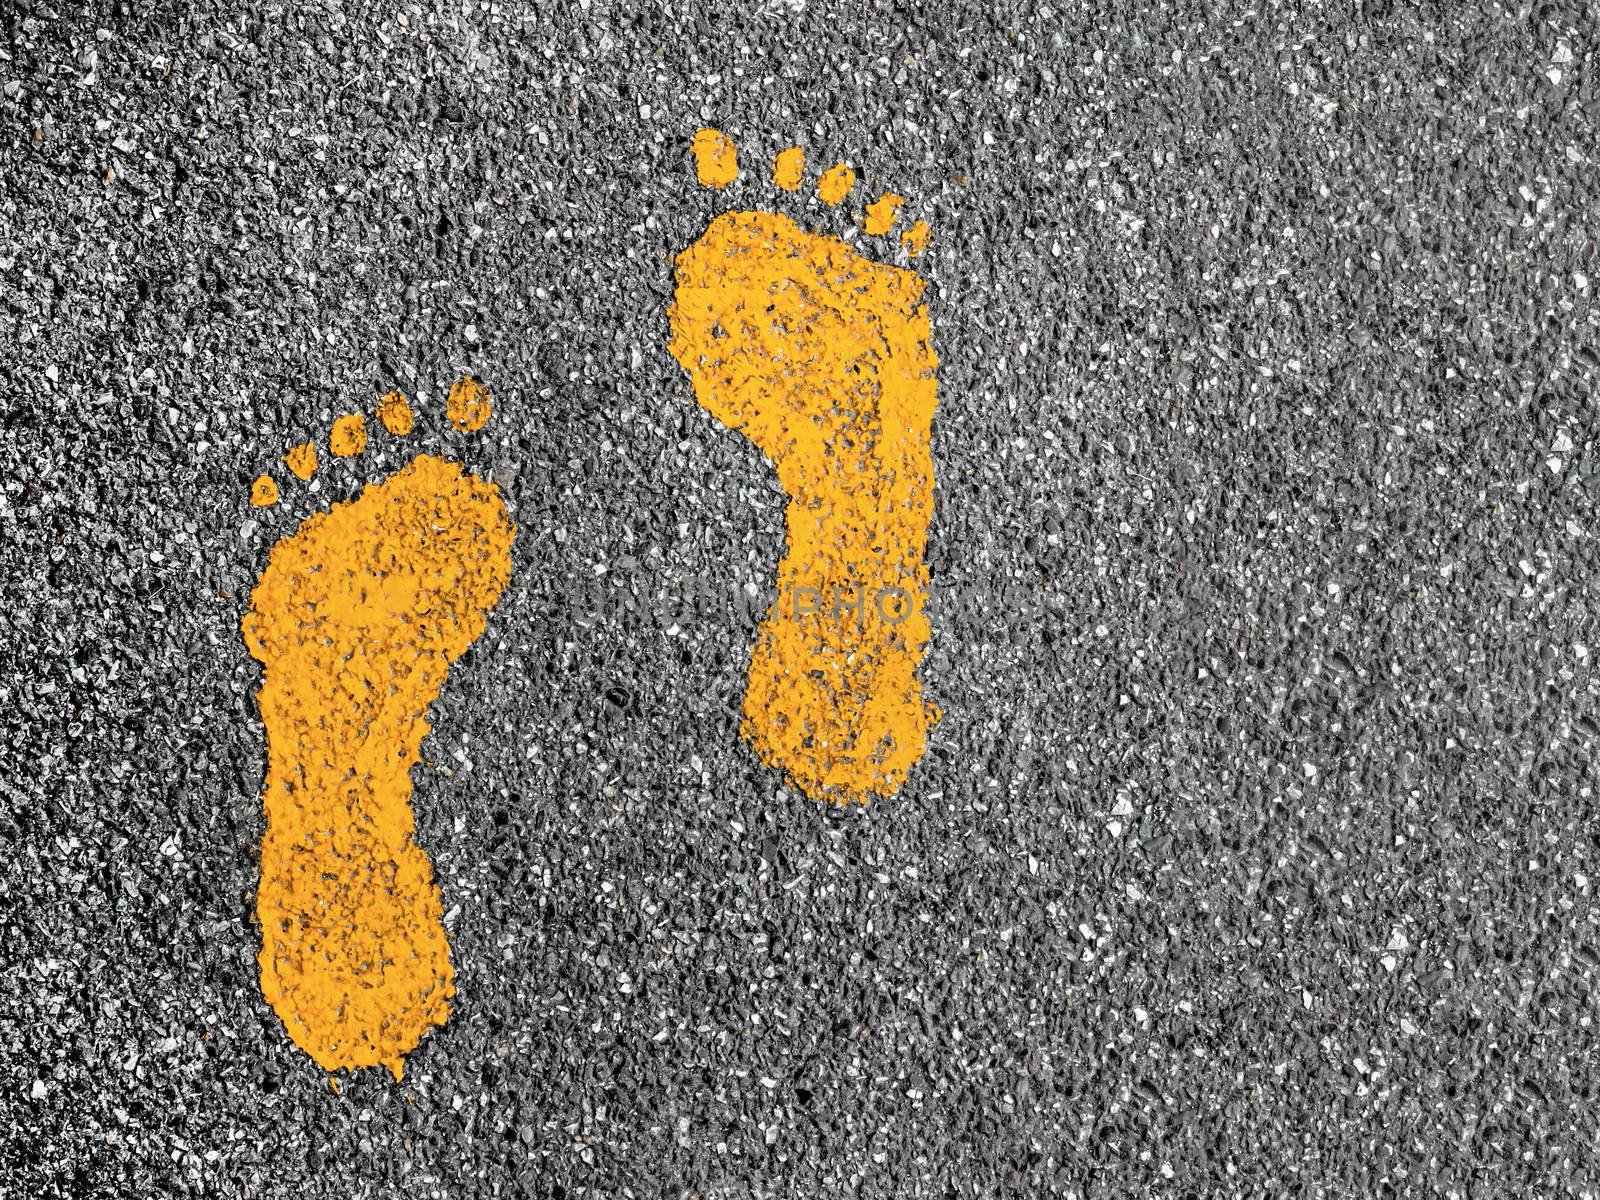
column 1256, row 851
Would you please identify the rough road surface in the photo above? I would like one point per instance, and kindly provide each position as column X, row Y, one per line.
column 1255, row 851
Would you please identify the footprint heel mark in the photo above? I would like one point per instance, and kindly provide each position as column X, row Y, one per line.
column 355, row 620
column 824, row 359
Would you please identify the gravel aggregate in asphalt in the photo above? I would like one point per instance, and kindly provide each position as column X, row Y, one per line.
column 1255, row 851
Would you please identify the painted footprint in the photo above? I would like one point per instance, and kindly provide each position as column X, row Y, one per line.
column 824, row 360
column 355, row 621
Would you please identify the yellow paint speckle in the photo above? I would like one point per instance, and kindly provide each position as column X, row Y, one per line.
column 468, row 405
column 301, row 460
column 395, row 413
column 716, row 161
column 789, row 168
column 824, row 359
column 349, row 436
column 836, row 183
column 355, row 621
column 881, row 213
column 264, row 492
column 915, row 239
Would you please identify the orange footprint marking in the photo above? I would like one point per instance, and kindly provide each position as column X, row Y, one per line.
column 824, row 360
column 788, row 168
column 916, row 239
column 716, row 161
column 394, row 411
column 881, row 213
column 355, row 621
column 468, row 405
column 836, row 183
column 349, row 436
column 301, row 461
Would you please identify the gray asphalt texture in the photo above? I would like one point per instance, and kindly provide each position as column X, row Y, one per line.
column 1256, row 851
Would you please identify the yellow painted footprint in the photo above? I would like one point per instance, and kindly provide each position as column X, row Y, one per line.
column 355, row 621
column 824, row 359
